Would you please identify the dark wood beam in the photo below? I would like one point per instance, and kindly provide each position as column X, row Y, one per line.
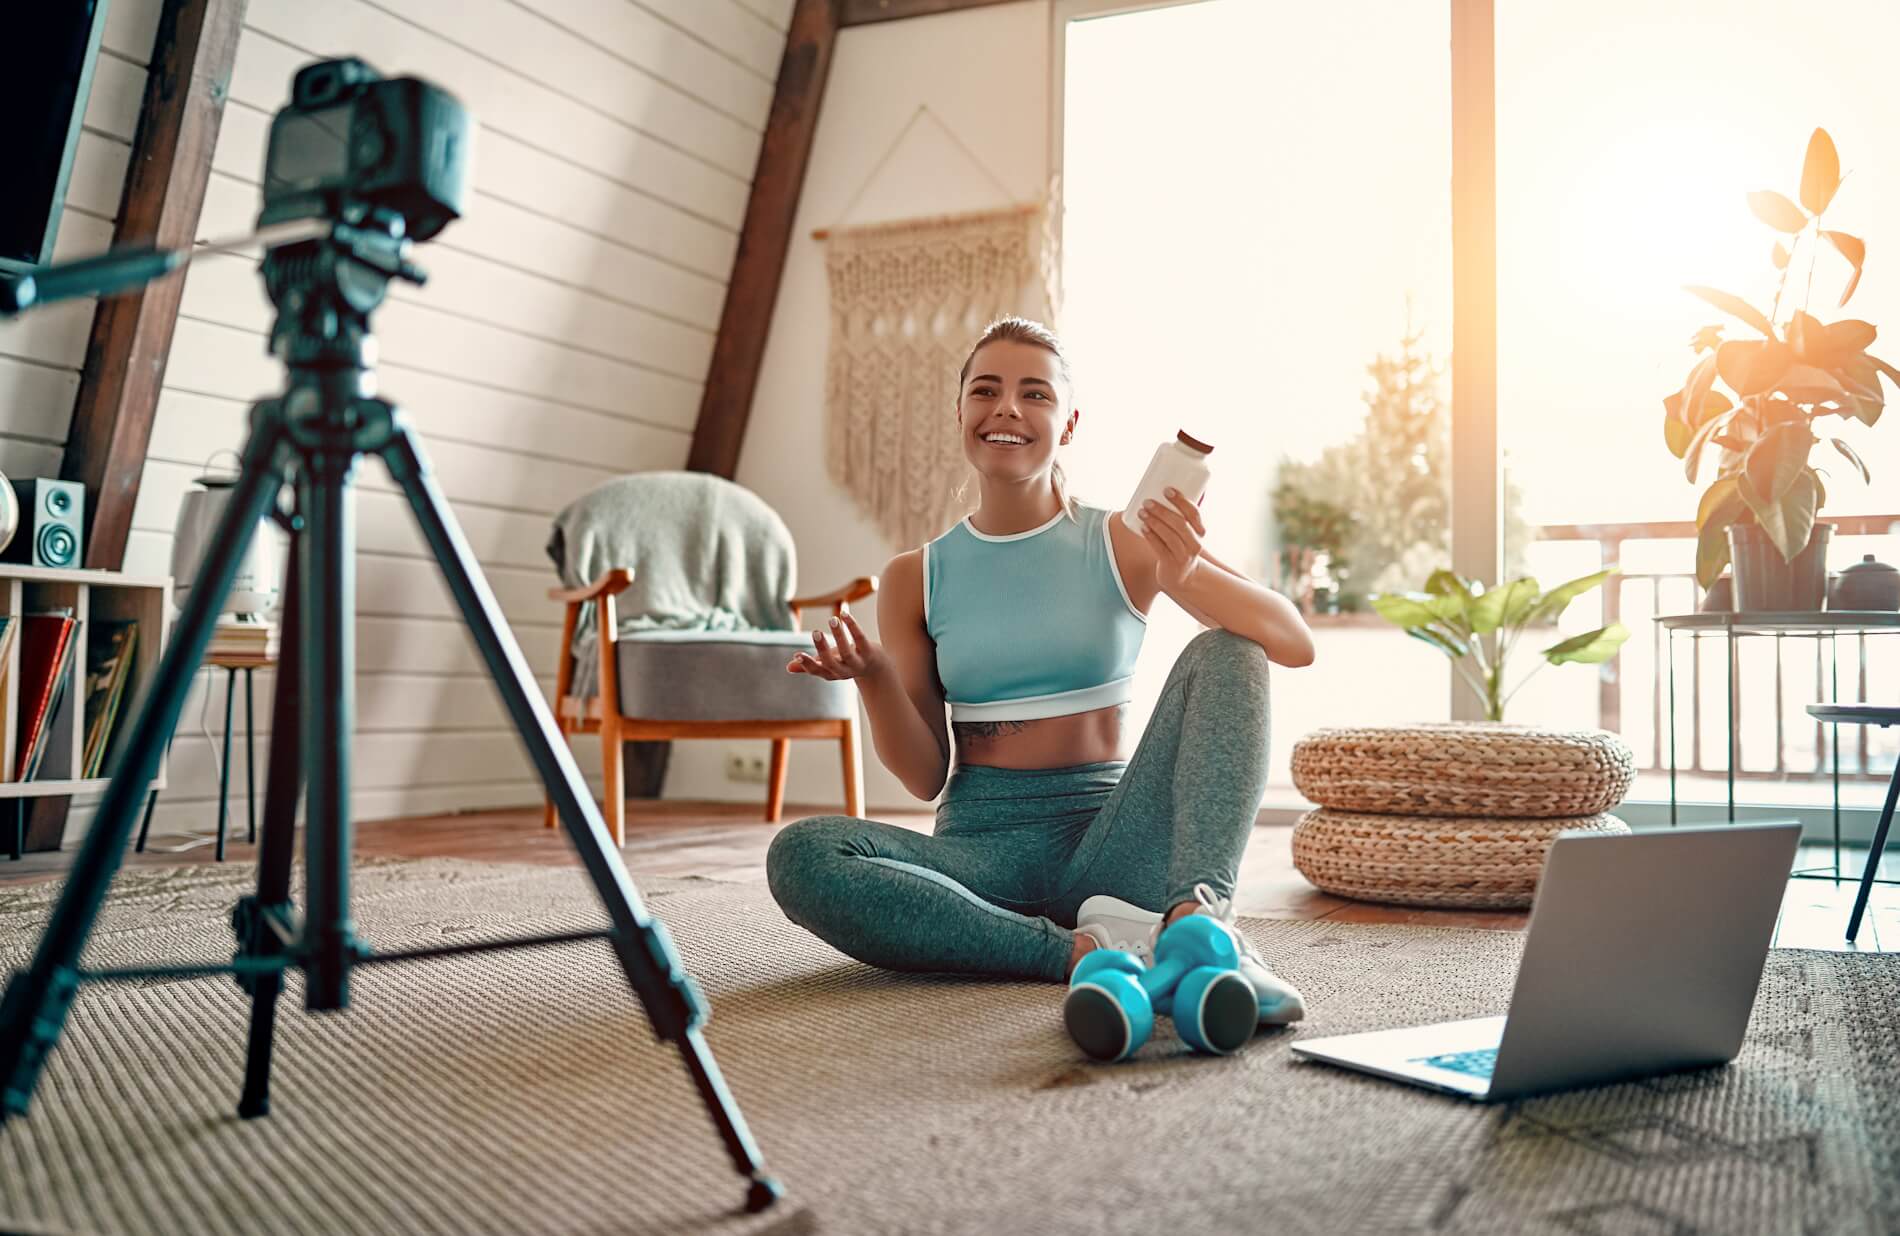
column 752, row 293
column 185, row 90
column 864, row 12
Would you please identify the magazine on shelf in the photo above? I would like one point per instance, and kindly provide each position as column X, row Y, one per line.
column 111, row 647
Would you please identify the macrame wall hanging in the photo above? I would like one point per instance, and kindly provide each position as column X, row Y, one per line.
column 908, row 298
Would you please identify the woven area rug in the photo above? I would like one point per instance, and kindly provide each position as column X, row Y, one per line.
column 523, row 1092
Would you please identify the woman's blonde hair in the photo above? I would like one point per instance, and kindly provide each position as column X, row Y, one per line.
column 1023, row 330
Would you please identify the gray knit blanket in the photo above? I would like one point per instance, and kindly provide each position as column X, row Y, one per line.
column 706, row 555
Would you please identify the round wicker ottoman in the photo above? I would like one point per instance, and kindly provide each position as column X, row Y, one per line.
column 1431, row 860
column 1456, row 768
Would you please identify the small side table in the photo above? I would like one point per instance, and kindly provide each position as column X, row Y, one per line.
column 1730, row 627
column 232, row 664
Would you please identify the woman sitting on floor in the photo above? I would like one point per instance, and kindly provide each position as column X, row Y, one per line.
column 1026, row 617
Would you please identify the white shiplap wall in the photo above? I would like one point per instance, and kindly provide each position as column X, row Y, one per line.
column 563, row 337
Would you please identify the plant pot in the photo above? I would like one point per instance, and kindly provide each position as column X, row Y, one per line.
column 1766, row 582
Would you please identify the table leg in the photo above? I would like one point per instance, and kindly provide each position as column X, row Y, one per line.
column 1672, row 728
column 224, row 765
column 1732, row 744
column 250, row 754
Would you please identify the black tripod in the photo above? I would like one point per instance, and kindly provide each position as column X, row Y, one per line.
column 324, row 290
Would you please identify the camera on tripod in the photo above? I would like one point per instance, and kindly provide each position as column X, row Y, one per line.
column 352, row 141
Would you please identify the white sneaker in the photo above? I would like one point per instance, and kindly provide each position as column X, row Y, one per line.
column 1280, row 1002
column 1114, row 923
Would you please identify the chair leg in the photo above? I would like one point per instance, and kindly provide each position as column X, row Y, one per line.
column 548, row 819
column 775, row 791
column 1873, row 857
column 853, row 768
column 614, row 791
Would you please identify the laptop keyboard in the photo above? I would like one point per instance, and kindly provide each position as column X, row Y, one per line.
column 1474, row 1063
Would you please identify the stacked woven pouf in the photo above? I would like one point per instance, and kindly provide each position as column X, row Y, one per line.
column 1449, row 814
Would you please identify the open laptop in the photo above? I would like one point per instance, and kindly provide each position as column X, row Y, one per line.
column 1643, row 956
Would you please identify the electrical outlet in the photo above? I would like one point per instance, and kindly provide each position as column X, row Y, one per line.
column 745, row 766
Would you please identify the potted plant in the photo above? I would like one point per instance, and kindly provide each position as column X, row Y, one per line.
column 1454, row 615
column 1778, row 387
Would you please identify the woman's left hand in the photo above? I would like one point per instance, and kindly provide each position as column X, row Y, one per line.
column 1174, row 533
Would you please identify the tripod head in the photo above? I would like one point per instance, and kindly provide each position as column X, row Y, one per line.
column 358, row 166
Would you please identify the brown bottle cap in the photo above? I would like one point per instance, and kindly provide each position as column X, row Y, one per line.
column 1196, row 444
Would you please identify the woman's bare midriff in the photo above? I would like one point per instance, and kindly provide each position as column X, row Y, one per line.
column 1050, row 742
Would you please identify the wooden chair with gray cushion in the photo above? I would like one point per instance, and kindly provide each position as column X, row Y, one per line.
column 689, row 577
column 1865, row 714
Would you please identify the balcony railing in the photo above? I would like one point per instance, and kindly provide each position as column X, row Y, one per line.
column 1631, row 596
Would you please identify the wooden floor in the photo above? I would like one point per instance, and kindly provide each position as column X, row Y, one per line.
column 728, row 842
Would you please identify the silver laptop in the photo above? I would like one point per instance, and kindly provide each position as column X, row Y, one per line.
column 1643, row 956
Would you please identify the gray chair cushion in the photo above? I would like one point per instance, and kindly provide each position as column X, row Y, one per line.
column 724, row 676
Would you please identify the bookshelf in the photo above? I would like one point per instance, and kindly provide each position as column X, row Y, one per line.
column 92, row 596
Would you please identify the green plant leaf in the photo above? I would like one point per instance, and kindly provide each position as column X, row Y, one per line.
column 1781, row 256
column 1750, row 366
column 1406, row 610
column 1861, row 377
column 1707, row 339
column 1721, row 506
column 1445, row 643
column 1787, row 520
column 1711, row 550
column 1676, row 436
column 1854, row 249
column 1809, row 384
column 1719, row 495
column 1494, row 608
column 1893, row 375
column 1558, row 599
column 1692, row 455
column 1820, row 172
column 1590, row 648
column 1848, row 452
column 1776, row 211
column 1779, row 456
column 1735, row 305
column 1445, row 583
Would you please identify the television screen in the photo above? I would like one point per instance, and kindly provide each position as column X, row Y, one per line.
column 52, row 45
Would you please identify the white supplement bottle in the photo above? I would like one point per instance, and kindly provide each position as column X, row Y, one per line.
column 1181, row 464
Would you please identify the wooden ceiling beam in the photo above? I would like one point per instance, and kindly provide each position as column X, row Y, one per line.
column 739, row 350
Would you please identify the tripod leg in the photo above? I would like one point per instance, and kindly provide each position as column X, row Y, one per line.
column 672, row 1002
column 283, row 785
column 37, row 998
column 327, row 630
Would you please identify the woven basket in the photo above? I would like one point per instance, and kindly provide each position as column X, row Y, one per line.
column 1430, row 860
column 1484, row 769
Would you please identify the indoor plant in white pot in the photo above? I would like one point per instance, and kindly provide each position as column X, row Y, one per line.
column 1778, row 387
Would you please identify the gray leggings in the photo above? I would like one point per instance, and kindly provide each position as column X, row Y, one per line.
column 995, row 887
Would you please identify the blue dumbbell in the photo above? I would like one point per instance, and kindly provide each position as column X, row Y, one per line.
column 1113, row 998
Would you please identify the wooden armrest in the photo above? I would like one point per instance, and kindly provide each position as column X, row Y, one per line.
column 617, row 580
column 859, row 588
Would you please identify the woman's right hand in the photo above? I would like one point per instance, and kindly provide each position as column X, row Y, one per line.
column 843, row 651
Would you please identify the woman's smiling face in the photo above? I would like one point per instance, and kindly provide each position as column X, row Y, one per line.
column 1013, row 410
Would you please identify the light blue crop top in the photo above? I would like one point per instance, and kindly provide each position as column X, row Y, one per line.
column 1036, row 624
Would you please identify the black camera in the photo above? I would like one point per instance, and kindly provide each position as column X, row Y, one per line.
column 352, row 141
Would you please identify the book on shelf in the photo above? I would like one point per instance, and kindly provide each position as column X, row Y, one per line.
column 9, row 635
column 46, row 653
column 110, row 647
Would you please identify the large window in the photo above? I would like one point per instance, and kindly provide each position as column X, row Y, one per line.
column 1257, row 250
column 1628, row 137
